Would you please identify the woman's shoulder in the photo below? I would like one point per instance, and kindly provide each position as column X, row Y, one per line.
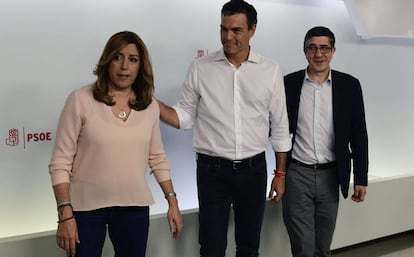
column 84, row 90
column 153, row 106
column 82, row 93
column 81, row 96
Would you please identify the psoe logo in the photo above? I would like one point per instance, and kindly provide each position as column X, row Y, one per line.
column 15, row 137
column 201, row 53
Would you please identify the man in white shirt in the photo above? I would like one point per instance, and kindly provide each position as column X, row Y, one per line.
column 233, row 98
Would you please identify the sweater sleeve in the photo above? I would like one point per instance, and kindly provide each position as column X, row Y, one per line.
column 157, row 161
column 67, row 133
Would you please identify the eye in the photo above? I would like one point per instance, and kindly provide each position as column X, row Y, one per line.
column 118, row 57
column 237, row 31
column 324, row 48
column 133, row 59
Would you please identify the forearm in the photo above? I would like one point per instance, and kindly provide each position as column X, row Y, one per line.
column 62, row 196
column 168, row 189
column 168, row 115
column 61, row 192
column 281, row 161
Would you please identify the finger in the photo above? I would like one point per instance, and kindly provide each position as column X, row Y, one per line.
column 179, row 229
column 172, row 226
column 77, row 238
column 278, row 198
column 272, row 196
column 73, row 247
column 67, row 248
column 361, row 197
column 356, row 198
column 173, row 229
column 271, row 193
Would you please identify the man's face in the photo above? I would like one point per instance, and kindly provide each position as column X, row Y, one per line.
column 235, row 35
column 319, row 54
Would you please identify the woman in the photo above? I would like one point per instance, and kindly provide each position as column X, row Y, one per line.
column 107, row 133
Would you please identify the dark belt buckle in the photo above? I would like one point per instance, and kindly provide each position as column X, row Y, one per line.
column 235, row 163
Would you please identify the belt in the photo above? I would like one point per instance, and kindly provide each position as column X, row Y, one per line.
column 317, row 166
column 234, row 164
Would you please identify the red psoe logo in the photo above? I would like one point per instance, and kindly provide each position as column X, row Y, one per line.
column 13, row 139
column 26, row 137
column 201, row 53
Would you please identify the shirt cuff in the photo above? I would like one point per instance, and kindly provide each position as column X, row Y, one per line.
column 184, row 118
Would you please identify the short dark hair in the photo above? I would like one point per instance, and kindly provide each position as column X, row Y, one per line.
column 239, row 6
column 319, row 31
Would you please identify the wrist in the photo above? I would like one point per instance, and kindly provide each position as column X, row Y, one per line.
column 65, row 219
column 279, row 173
column 62, row 205
column 170, row 194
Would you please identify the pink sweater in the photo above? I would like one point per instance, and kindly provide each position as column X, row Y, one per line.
column 104, row 158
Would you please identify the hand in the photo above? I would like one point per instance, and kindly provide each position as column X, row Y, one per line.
column 277, row 189
column 175, row 221
column 67, row 236
column 359, row 193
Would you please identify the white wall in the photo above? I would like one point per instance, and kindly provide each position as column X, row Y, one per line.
column 49, row 48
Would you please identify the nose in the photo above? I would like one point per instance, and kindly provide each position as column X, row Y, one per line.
column 318, row 51
column 124, row 64
column 229, row 35
column 226, row 35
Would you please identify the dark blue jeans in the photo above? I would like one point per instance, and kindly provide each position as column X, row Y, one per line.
column 127, row 228
column 220, row 186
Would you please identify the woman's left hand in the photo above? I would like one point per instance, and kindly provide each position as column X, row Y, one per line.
column 175, row 221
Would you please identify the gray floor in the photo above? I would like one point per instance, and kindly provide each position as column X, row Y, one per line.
column 401, row 245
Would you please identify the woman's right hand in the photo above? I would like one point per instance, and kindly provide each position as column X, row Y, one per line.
column 67, row 233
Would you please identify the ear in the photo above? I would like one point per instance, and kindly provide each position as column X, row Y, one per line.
column 252, row 30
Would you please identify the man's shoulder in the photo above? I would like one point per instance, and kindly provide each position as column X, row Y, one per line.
column 295, row 74
column 258, row 58
column 342, row 75
column 210, row 57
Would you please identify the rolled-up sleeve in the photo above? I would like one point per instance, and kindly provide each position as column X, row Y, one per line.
column 186, row 107
column 279, row 123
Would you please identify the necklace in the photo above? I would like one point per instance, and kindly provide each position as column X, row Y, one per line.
column 122, row 114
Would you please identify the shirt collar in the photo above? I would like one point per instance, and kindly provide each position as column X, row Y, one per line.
column 309, row 79
column 253, row 56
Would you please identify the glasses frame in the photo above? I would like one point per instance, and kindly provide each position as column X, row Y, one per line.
column 324, row 49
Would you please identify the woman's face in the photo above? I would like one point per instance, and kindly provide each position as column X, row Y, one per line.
column 123, row 69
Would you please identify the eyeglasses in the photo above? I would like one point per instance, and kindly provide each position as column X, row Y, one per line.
column 311, row 49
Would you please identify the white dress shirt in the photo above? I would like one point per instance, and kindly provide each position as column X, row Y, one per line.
column 314, row 139
column 232, row 108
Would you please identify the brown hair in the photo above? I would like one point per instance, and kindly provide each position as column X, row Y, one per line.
column 143, row 85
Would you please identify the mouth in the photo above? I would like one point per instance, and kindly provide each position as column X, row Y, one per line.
column 319, row 61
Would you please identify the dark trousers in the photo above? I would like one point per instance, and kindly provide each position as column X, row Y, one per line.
column 127, row 228
column 222, row 184
column 310, row 207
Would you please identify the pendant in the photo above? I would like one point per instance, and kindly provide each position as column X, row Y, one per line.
column 122, row 114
